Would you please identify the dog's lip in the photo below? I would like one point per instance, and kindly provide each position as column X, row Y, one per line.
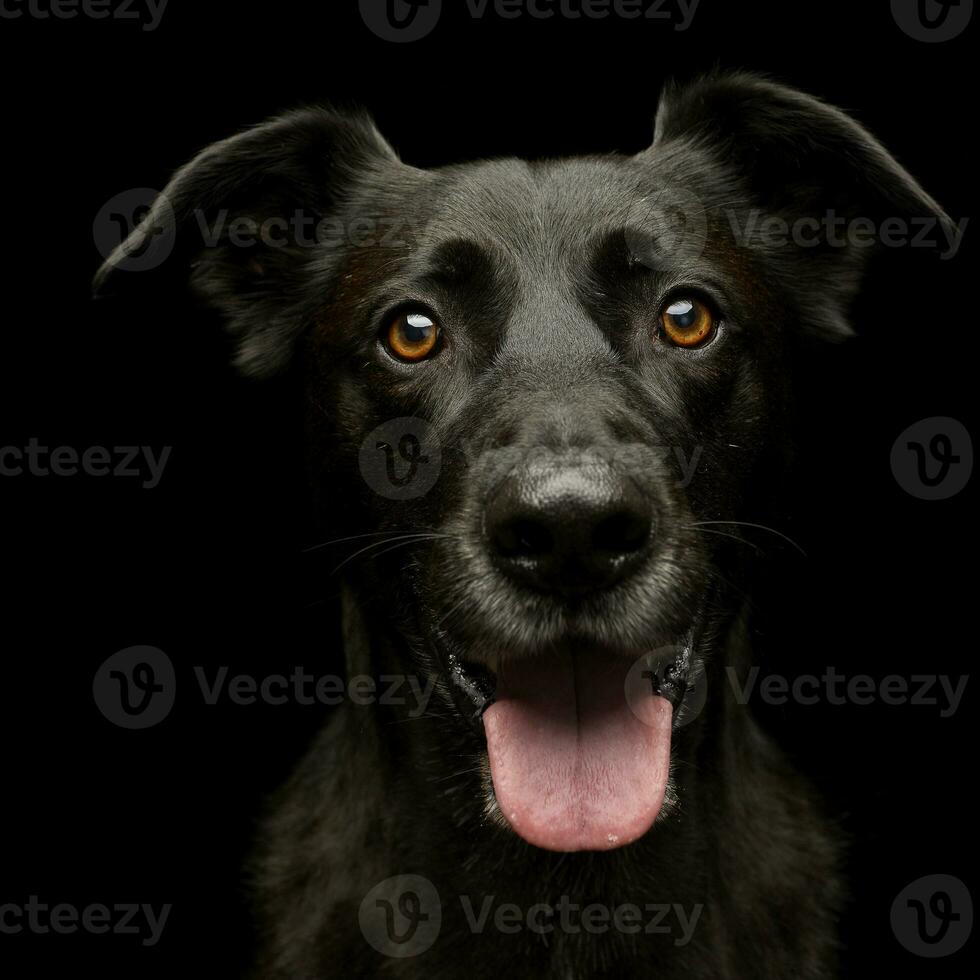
column 472, row 683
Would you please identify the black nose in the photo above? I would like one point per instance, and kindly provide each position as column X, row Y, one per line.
column 569, row 530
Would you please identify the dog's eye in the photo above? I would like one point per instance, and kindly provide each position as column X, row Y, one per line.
column 411, row 336
column 687, row 322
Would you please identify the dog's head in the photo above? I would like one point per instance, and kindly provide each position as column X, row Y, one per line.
column 572, row 375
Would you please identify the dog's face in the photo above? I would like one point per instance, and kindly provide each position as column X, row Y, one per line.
column 597, row 358
column 580, row 370
column 574, row 380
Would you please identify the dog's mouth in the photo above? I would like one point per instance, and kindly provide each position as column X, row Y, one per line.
column 578, row 739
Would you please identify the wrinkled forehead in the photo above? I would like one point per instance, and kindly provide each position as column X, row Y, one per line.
column 550, row 215
column 536, row 212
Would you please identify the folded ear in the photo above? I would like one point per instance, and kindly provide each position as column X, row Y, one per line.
column 241, row 226
column 801, row 161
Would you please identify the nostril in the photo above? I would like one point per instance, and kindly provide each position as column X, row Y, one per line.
column 624, row 532
column 568, row 530
column 523, row 537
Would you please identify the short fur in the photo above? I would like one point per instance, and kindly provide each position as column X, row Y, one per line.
column 546, row 277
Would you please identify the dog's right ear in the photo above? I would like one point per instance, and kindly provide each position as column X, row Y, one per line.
column 800, row 160
column 236, row 225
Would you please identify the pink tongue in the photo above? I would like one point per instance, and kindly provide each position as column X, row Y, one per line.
column 575, row 765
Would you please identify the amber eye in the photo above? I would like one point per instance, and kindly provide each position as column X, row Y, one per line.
column 687, row 322
column 411, row 336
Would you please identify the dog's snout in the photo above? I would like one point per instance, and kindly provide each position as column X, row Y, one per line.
column 569, row 530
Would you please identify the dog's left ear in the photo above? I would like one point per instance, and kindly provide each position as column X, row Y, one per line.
column 238, row 227
column 800, row 159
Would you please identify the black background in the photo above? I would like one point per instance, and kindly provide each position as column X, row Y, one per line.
column 209, row 566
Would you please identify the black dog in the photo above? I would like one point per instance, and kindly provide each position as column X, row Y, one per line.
column 592, row 356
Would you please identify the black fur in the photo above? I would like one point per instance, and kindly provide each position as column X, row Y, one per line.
column 547, row 278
